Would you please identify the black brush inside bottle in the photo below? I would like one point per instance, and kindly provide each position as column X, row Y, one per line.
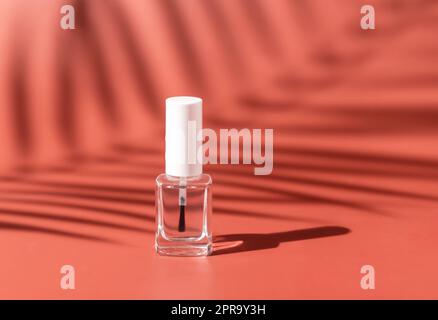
column 182, row 206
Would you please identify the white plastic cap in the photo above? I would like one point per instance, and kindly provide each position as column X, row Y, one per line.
column 183, row 125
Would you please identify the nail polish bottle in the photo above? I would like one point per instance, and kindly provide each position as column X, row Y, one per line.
column 183, row 192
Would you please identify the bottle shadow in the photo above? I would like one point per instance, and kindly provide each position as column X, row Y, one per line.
column 233, row 243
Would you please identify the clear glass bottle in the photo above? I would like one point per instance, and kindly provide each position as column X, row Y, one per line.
column 183, row 211
column 183, row 192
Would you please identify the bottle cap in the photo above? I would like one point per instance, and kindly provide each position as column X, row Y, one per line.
column 183, row 126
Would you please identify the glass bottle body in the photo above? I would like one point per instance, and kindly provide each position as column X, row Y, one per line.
column 183, row 213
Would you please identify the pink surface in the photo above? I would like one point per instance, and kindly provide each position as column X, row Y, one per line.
column 355, row 148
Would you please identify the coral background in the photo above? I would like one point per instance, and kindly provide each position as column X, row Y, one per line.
column 354, row 113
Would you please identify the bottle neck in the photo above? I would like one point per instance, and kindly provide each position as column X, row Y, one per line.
column 182, row 178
